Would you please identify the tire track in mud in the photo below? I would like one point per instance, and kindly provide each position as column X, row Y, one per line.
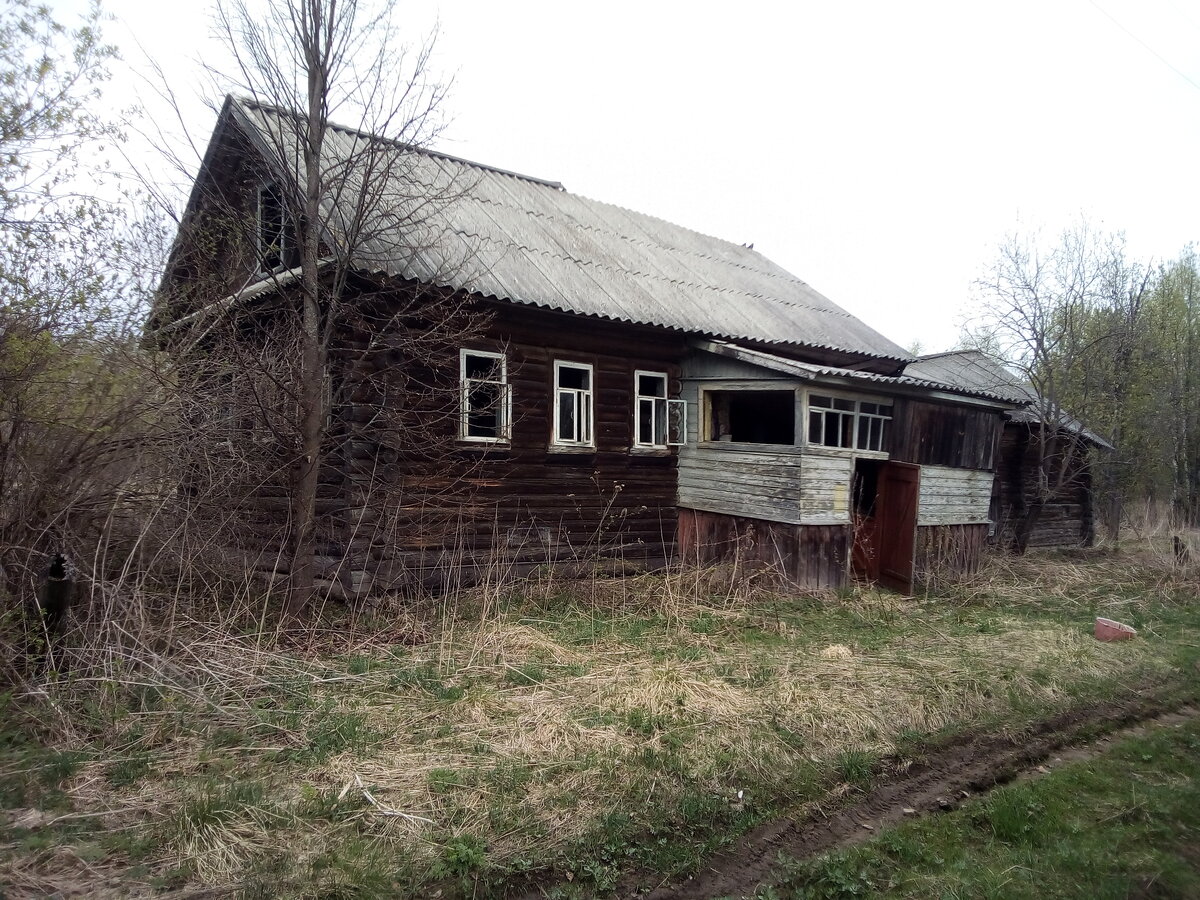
column 966, row 765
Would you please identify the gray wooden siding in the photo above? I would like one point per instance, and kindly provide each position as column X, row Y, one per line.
column 779, row 484
column 954, row 496
column 741, row 483
column 759, row 482
column 825, row 488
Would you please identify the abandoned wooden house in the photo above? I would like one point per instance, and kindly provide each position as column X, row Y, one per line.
column 1042, row 495
column 630, row 388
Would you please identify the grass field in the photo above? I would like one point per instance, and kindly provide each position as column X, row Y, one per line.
column 1123, row 824
column 565, row 731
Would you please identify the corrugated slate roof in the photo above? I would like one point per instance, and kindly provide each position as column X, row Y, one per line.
column 529, row 241
column 975, row 370
column 809, row 371
column 971, row 369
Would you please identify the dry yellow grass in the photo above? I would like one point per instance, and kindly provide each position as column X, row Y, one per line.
column 728, row 686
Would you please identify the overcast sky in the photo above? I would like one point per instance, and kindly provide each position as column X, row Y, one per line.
column 877, row 150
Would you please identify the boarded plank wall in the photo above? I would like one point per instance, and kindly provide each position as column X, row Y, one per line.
column 948, row 551
column 954, row 496
column 810, row 556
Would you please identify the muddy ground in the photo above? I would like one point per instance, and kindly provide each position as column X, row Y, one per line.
column 941, row 779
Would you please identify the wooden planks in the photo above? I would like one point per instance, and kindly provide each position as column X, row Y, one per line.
column 1067, row 517
column 943, row 434
column 954, row 496
column 809, row 556
column 948, row 551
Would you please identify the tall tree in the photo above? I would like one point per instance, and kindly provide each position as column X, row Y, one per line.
column 347, row 193
column 1051, row 311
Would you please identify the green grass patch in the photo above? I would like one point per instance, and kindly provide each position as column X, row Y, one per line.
column 1123, row 824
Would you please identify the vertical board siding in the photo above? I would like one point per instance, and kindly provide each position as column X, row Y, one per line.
column 944, row 434
column 948, row 551
column 808, row 556
column 954, row 496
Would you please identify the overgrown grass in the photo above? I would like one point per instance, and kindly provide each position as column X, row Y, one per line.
column 576, row 729
column 1123, row 824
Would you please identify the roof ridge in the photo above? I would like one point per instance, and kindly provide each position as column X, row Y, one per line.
column 958, row 352
column 404, row 145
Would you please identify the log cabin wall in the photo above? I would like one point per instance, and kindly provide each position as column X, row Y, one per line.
column 520, row 503
column 1066, row 520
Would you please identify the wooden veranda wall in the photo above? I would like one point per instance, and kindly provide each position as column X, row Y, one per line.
column 811, row 556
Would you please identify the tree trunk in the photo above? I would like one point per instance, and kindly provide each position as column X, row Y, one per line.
column 308, row 465
column 1025, row 526
column 313, row 342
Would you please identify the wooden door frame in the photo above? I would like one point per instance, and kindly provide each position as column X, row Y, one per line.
column 898, row 523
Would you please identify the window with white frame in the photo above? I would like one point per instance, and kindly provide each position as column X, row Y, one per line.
column 573, row 412
column 276, row 240
column 486, row 408
column 659, row 422
column 849, row 423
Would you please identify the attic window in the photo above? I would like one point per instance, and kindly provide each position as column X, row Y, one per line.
column 752, row 417
column 276, row 241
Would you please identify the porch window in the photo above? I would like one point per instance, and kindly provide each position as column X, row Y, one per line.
column 751, row 417
column 276, row 241
column 486, row 407
column 573, row 406
column 847, row 423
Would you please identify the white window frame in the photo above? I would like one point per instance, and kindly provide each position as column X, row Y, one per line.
column 503, row 413
column 670, row 413
column 857, row 415
column 584, row 399
column 657, row 404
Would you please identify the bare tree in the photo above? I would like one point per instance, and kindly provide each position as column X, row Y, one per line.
column 1051, row 312
column 323, row 354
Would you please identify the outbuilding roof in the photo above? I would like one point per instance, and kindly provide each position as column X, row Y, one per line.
column 976, row 370
column 527, row 240
column 814, row 372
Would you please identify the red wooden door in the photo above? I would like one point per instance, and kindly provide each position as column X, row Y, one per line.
column 899, row 487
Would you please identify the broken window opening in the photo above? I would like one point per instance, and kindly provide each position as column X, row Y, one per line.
column 752, row 417
column 276, row 237
column 486, row 399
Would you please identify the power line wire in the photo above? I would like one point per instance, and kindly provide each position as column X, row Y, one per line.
column 1162, row 59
